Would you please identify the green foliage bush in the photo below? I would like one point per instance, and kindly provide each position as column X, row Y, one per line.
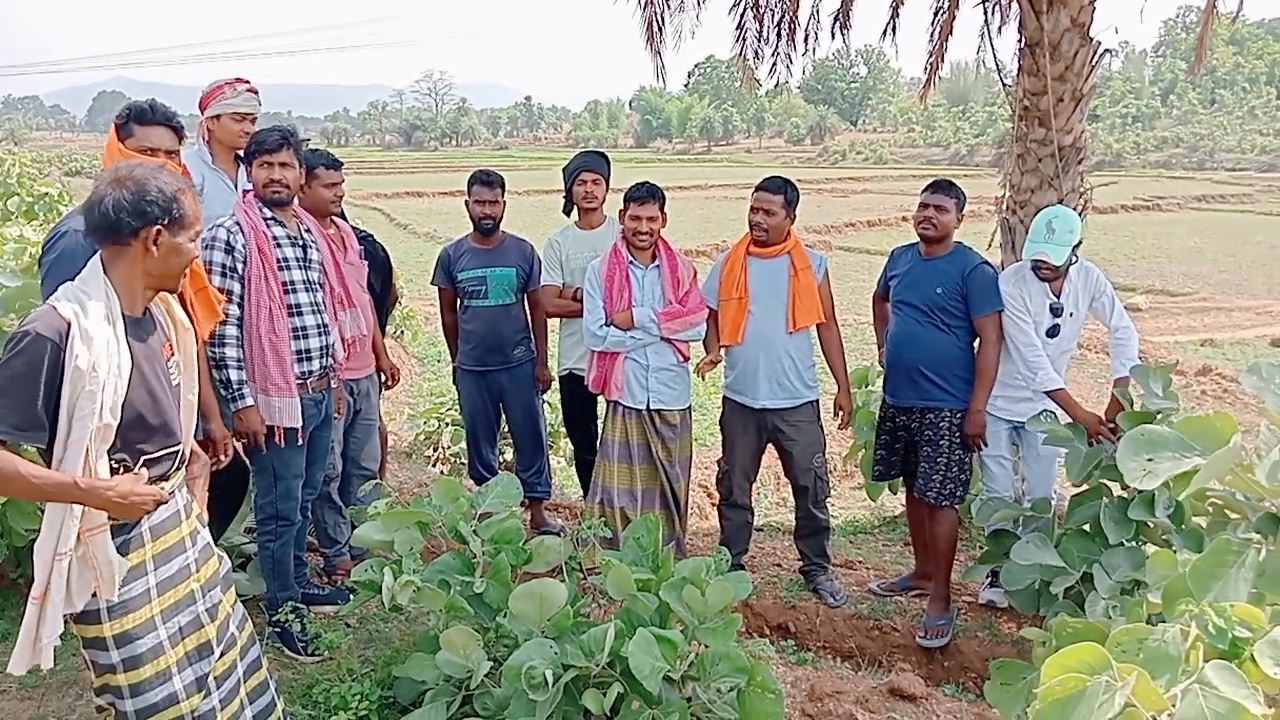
column 537, row 628
column 439, row 438
column 1161, row 586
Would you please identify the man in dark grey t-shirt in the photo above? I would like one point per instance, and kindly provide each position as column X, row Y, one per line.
column 499, row 353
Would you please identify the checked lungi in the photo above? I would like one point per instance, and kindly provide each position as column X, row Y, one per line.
column 176, row 643
column 643, row 465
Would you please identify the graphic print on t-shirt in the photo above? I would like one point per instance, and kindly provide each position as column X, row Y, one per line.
column 171, row 364
column 487, row 287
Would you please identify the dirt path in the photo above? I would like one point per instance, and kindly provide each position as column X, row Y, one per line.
column 1201, row 317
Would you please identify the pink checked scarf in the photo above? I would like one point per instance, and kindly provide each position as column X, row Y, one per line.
column 684, row 309
column 268, row 352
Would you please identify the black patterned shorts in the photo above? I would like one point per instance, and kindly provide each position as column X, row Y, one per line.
column 926, row 448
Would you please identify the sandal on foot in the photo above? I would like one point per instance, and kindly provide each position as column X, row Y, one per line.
column 829, row 592
column 945, row 621
column 897, row 587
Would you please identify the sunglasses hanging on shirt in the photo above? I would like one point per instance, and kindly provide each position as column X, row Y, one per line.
column 1055, row 310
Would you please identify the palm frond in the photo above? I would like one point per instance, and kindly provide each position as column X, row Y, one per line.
column 813, row 26
column 665, row 25
column 891, row 25
column 997, row 16
column 1204, row 37
column 841, row 20
column 941, row 29
column 786, row 38
column 653, row 16
column 770, row 35
column 1004, row 12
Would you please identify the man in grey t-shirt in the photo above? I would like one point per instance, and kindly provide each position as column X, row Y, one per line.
column 567, row 254
column 499, row 353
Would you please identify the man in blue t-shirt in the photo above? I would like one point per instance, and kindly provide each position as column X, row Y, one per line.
column 486, row 279
column 934, row 299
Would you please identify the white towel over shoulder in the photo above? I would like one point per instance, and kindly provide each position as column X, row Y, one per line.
column 75, row 558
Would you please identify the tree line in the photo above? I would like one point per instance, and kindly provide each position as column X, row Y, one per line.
column 1146, row 110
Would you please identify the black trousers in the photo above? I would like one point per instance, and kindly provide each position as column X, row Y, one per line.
column 581, row 411
column 227, row 490
column 796, row 435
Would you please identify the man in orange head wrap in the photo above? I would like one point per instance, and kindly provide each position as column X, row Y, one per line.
column 151, row 131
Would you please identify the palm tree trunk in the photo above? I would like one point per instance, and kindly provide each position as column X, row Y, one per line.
column 1057, row 66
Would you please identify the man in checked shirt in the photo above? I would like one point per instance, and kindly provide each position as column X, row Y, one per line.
column 276, row 358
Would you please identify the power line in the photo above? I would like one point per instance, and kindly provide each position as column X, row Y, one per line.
column 219, row 46
column 205, row 58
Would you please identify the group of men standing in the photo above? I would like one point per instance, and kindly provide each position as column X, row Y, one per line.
column 219, row 293
column 630, row 308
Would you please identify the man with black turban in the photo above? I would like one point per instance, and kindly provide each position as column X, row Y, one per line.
column 564, row 265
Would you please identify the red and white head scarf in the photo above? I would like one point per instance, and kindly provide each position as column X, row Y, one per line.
column 223, row 97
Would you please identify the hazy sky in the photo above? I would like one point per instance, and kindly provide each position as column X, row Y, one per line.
column 557, row 50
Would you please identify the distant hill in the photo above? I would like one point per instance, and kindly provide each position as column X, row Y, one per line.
column 315, row 100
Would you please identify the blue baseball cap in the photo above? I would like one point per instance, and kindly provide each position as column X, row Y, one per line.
column 1054, row 232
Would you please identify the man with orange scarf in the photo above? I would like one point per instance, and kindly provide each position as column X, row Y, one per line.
column 151, row 131
column 766, row 295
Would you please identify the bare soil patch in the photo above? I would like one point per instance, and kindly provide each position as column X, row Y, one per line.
column 825, row 692
column 863, row 642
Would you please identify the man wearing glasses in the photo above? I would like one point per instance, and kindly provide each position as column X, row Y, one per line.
column 1046, row 299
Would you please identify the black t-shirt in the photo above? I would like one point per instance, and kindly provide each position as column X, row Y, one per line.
column 31, row 374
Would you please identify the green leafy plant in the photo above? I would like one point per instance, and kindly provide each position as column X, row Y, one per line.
column 29, row 204
column 1162, row 587
column 439, row 437
column 435, row 422
column 539, row 628
column 864, row 382
column 1176, row 481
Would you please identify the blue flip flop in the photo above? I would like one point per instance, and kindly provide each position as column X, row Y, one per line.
column 932, row 622
column 829, row 592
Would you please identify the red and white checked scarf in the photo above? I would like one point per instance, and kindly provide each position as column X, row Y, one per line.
column 223, row 97
column 268, row 351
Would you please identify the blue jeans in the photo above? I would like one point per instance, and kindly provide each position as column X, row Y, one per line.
column 287, row 478
column 485, row 397
column 353, row 461
column 1035, row 471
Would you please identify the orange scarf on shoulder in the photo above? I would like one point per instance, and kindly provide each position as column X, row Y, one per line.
column 804, row 304
column 199, row 298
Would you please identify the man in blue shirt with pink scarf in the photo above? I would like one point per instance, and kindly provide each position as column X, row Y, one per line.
column 641, row 307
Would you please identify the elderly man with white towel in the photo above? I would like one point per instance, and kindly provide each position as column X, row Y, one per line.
column 101, row 380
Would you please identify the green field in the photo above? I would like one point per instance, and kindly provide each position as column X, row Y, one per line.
column 1200, row 250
